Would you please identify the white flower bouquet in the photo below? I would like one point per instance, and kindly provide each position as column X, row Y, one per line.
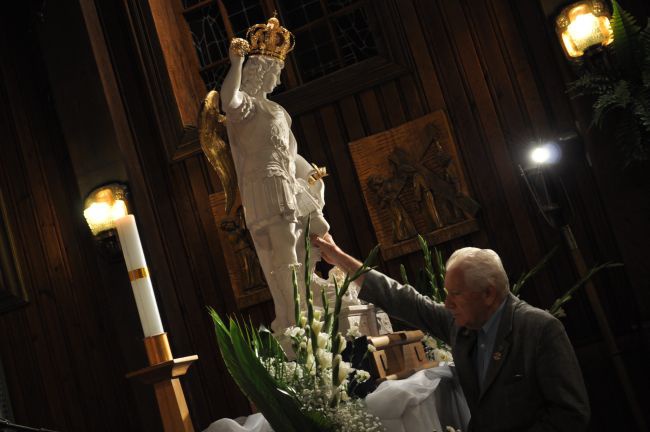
column 312, row 392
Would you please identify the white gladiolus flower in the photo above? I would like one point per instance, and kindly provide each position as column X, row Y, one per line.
column 371, row 348
column 324, row 358
column 310, row 364
column 317, row 326
column 323, row 338
column 294, row 331
column 303, row 321
column 342, row 345
column 344, row 369
column 318, row 314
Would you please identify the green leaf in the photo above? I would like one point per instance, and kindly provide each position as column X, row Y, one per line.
column 516, row 288
column 402, row 271
column 274, row 400
column 556, row 308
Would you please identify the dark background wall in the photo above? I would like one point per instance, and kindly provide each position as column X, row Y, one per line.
column 86, row 81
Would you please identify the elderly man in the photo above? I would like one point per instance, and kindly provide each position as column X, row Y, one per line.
column 515, row 362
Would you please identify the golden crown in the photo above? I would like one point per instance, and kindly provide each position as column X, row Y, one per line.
column 270, row 39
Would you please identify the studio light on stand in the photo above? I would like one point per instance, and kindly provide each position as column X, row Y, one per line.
column 553, row 202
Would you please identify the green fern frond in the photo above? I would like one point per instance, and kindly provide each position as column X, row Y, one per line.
column 619, row 97
column 626, row 41
column 590, row 83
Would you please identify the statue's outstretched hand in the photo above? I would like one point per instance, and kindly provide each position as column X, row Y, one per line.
column 238, row 49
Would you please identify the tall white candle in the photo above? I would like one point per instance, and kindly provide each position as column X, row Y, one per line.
column 136, row 265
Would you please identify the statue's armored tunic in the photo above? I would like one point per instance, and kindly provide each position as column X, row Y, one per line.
column 264, row 151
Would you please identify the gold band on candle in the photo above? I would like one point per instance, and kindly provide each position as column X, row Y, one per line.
column 139, row 273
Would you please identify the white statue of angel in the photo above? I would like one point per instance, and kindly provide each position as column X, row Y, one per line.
column 279, row 189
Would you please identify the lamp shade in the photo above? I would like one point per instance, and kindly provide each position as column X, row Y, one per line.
column 582, row 25
column 103, row 206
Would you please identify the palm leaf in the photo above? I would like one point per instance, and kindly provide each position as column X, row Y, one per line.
column 274, row 400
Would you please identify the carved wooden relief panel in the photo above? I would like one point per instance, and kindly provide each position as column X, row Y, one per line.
column 244, row 270
column 412, row 183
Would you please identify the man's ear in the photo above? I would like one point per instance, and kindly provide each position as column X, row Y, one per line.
column 490, row 294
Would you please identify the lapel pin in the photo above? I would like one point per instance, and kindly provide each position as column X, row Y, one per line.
column 497, row 356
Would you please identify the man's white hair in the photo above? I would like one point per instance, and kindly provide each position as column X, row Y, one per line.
column 480, row 268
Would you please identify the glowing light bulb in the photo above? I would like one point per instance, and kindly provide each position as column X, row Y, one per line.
column 545, row 154
column 540, row 155
column 118, row 210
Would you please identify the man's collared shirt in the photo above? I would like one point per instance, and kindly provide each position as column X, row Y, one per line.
column 485, row 342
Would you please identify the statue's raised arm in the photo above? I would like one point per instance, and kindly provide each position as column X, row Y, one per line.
column 279, row 189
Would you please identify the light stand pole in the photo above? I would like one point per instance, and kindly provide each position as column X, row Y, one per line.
column 6, row 425
column 550, row 196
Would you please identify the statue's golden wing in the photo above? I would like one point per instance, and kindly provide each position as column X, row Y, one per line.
column 213, row 136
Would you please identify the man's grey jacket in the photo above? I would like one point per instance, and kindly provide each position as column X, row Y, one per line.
column 533, row 381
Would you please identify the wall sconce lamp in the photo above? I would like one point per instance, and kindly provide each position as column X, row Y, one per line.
column 102, row 207
column 584, row 28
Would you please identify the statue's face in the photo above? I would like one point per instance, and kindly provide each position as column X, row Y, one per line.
column 271, row 78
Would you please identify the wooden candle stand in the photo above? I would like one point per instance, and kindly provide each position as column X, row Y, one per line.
column 164, row 373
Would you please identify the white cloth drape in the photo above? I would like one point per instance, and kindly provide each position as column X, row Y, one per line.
column 428, row 400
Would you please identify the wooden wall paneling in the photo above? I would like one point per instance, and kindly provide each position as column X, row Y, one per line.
column 507, row 24
column 371, row 112
column 335, row 211
column 480, row 139
column 429, row 80
column 392, row 104
column 353, row 126
column 500, row 81
column 196, row 282
column 47, row 322
column 113, row 63
column 55, row 375
column 412, row 97
column 190, row 274
column 344, row 178
column 492, row 123
column 603, row 178
column 181, row 63
column 216, row 287
column 515, row 124
column 161, row 207
column 594, row 232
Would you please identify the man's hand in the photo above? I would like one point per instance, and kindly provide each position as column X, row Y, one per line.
column 333, row 254
column 330, row 252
